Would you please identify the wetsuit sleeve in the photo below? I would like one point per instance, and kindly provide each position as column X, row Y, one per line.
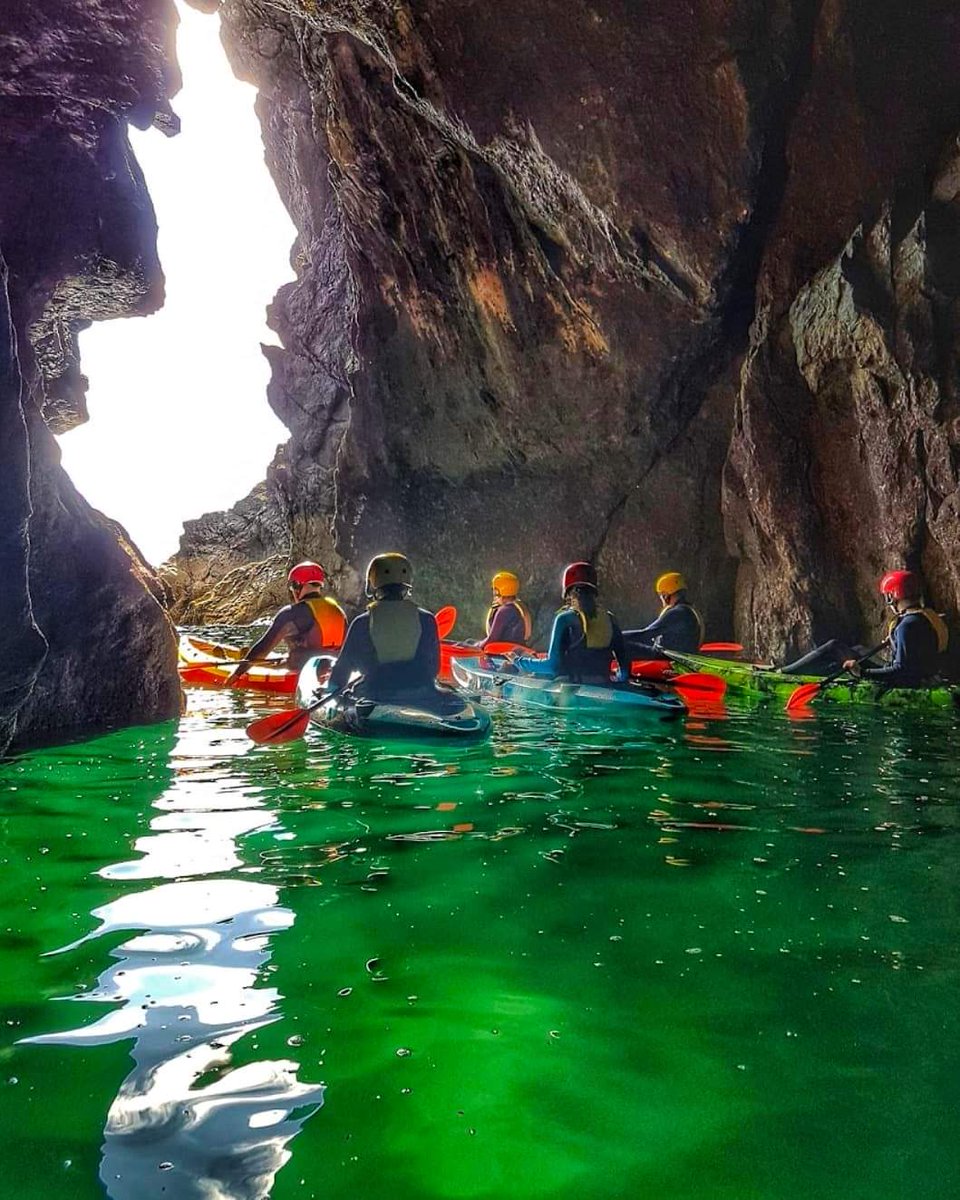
column 356, row 653
column 649, row 632
column 503, row 620
column 552, row 665
column 911, row 646
column 282, row 623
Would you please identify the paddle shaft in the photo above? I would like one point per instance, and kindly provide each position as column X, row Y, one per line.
column 304, row 712
column 844, row 670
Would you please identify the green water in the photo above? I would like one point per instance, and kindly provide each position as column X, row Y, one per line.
column 715, row 959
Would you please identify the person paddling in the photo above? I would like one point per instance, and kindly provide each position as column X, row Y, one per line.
column 394, row 645
column 585, row 637
column 508, row 619
column 310, row 624
column 678, row 627
column 917, row 636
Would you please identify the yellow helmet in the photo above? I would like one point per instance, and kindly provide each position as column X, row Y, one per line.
column 669, row 583
column 387, row 569
column 505, row 583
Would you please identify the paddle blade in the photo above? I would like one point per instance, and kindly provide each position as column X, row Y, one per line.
column 284, row 726
column 802, row 695
column 446, row 618
column 650, row 668
column 707, row 687
column 721, row 648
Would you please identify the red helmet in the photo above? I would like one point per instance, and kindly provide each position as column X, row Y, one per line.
column 902, row 585
column 579, row 574
column 304, row 573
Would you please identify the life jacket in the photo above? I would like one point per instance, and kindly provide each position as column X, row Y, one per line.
column 936, row 621
column 394, row 630
column 588, row 656
column 597, row 630
column 699, row 620
column 329, row 619
column 521, row 611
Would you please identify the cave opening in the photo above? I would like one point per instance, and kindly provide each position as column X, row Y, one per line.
column 179, row 423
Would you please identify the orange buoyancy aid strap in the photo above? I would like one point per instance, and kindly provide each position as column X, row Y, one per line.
column 395, row 630
column 330, row 618
column 521, row 609
column 597, row 630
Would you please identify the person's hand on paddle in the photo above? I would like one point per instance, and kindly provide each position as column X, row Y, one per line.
column 853, row 667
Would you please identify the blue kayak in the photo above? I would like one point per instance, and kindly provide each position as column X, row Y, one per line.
column 438, row 712
column 493, row 676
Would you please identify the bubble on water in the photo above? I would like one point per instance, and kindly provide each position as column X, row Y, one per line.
column 295, row 1039
column 403, row 1052
column 165, row 1166
column 345, row 991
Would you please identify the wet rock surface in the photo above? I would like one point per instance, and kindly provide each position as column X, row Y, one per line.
column 84, row 642
column 657, row 285
column 660, row 286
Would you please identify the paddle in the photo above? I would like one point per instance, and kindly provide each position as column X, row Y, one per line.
column 709, row 687
column 446, row 618
column 292, row 723
column 232, row 662
column 720, row 648
column 806, row 691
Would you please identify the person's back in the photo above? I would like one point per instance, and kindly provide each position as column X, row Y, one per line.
column 678, row 627
column 585, row 637
column 917, row 641
column 507, row 618
column 312, row 623
column 394, row 645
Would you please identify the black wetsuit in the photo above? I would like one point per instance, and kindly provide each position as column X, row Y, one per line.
column 677, row 628
column 914, row 661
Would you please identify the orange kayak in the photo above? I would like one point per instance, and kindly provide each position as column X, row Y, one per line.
column 204, row 664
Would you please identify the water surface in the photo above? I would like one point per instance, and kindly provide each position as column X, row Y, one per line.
column 716, row 958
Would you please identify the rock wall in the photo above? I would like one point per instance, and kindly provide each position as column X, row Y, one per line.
column 84, row 642
column 659, row 285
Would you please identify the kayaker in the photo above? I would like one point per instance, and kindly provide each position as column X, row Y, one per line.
column 507, row 618
column 585, row 637
column 312, row 623
column 394, row 645
column 678, row 627
column 917, row 636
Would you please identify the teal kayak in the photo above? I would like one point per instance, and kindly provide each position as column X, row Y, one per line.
column 433, row 713
column 762, row 682
column 488, row 677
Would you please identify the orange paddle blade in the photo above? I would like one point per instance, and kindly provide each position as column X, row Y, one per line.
column 721, row 648
column 707, row 687
column 284, row 726
column 802, row 695
column 650, row 668
column 446, row 618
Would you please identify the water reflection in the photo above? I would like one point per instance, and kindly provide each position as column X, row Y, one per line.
column 188, row 1121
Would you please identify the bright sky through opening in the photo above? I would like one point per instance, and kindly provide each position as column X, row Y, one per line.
column 179, row 421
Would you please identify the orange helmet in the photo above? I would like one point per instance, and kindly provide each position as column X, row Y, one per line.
column 505, row 584
column 304, row 573
column 579, row 574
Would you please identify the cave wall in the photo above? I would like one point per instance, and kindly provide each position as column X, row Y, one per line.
column 84, row 642
column 585, row 280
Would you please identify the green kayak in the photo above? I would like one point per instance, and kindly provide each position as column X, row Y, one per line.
column 759, row 682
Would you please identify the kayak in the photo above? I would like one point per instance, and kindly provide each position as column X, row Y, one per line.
column 487, row 676
column 423, row 713
column 199, row 666
column 762, row 682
